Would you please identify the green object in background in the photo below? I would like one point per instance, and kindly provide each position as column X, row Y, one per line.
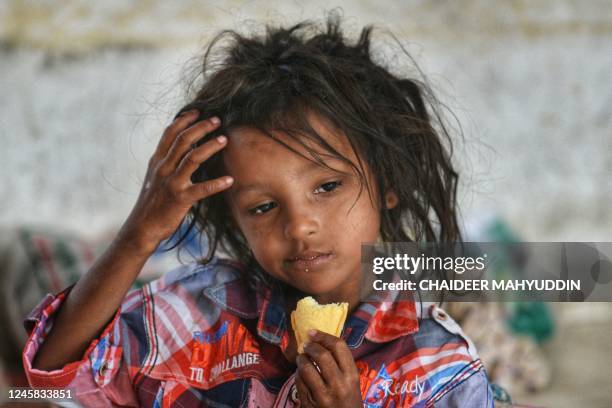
column 498, row 231
column 533, row 319
column 530, row 318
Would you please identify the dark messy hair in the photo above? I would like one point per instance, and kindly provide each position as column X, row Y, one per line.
column 271, row 82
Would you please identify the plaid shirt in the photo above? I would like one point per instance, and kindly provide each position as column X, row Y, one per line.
column 199, row 337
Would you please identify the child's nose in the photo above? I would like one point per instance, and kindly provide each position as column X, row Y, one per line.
column 300, row 225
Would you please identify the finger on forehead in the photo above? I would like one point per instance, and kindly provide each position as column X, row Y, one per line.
column 192, row 160
column 187, row 138
column 339, row 349
column 179, row 124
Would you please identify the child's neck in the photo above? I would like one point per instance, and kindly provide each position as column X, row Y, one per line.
column 352, row 295
column 351, row 298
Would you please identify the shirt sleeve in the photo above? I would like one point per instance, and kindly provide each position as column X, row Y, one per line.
column 101, row 378
column 470, row 386
column 473, row 392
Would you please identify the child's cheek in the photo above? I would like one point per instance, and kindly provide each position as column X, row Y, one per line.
column 261, row 239
column 366, row 228
column 254, row 234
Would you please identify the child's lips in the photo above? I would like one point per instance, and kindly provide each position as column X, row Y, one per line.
column 309, row 261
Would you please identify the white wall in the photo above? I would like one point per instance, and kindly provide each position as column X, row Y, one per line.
column 86, row 89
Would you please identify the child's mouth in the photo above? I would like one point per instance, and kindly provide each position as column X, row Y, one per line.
column 309, row 260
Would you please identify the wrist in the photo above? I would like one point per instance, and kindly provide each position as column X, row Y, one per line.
column 137, row 242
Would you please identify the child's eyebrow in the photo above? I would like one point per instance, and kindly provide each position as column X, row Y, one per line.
column 307, row 168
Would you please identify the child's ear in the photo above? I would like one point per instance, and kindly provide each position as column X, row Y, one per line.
column 391, row 200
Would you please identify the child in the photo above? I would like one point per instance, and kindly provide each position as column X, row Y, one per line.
column 319, row 149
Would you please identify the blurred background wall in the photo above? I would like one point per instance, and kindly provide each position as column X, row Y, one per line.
column 87, row 87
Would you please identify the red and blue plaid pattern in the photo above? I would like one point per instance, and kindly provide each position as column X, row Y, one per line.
column 199, row 337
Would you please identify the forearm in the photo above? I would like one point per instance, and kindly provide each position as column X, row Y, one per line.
column 167, row 195
column 92, row 303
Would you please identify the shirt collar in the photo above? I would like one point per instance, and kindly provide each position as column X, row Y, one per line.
column 382, row 317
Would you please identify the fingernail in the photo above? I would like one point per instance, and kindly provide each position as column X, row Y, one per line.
column 228, row 180
column 221, row 139
column 215, row 120
column 312, row 332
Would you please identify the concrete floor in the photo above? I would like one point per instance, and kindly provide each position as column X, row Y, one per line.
column 581, row 359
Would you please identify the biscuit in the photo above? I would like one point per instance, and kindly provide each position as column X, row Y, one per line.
column 309, row 314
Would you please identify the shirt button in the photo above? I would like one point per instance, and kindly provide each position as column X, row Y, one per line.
column 294, row 394
column 441, row 315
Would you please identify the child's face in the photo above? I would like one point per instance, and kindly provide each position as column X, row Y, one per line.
column 304, row 223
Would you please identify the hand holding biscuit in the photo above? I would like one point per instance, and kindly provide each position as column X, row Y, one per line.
column 327, row 375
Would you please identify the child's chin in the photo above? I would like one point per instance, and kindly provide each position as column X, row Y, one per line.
column 313, row 289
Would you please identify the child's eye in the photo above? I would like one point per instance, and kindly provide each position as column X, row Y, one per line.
column 328, row 187
column 260, row 209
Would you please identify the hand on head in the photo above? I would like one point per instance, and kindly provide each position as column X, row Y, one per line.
column 168, row 192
